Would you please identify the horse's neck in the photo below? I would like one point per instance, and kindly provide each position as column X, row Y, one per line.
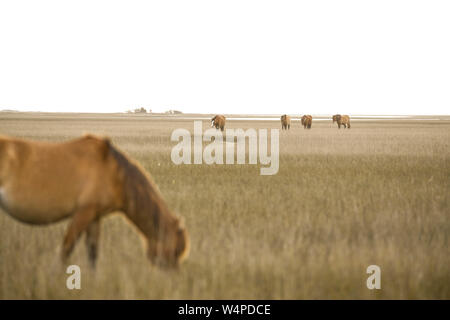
column 150, row 219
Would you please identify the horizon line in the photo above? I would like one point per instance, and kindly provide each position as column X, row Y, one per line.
column 200, row 113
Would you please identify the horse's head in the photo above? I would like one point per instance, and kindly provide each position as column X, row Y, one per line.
column 171, row 247
column 213, row 120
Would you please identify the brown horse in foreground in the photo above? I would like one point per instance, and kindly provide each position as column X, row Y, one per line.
column 285, row 122
column 342, row 120
column 218, row 122
column 87, row 179
column 306, row 121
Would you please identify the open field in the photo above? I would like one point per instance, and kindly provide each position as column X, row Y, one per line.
column 341, row 201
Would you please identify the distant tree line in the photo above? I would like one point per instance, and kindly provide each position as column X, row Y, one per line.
column 143, row 110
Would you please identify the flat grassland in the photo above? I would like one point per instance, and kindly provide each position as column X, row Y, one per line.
column 341, row 201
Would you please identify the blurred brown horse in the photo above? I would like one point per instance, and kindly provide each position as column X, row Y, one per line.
column 285, row 122
column 218, row 122
column 342, row 120
column 87, row 179
column 306, row 121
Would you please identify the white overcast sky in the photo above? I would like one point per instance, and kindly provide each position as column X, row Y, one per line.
column 263, row 57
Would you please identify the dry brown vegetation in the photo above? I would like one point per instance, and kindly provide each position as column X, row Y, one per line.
column 341, row 201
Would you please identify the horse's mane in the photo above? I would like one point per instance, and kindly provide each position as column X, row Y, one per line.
column 146, row 208
column 140, row 193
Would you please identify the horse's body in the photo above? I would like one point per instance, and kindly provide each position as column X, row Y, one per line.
column 342, row 120
column 86, row 179
column 218, row 121
column 285, row 122
column 306, row 121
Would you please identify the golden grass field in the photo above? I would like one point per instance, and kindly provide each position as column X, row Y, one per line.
column 341, row 201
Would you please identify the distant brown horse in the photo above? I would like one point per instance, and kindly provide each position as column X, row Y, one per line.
column 87, row 179
column 218, row 121
column 285, row 122
column 306, row 121
column 342, row 120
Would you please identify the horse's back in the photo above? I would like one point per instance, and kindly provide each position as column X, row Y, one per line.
column 46, row 182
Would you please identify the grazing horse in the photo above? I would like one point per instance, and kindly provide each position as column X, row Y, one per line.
column 285, row 122
column 306, row 121
column 218, row 121
column 87, row 179
column 342, row 120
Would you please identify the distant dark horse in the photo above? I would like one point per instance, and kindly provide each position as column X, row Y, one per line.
column 342, row 120
column 306, row 121
column 218, row 122
column 285, row 122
